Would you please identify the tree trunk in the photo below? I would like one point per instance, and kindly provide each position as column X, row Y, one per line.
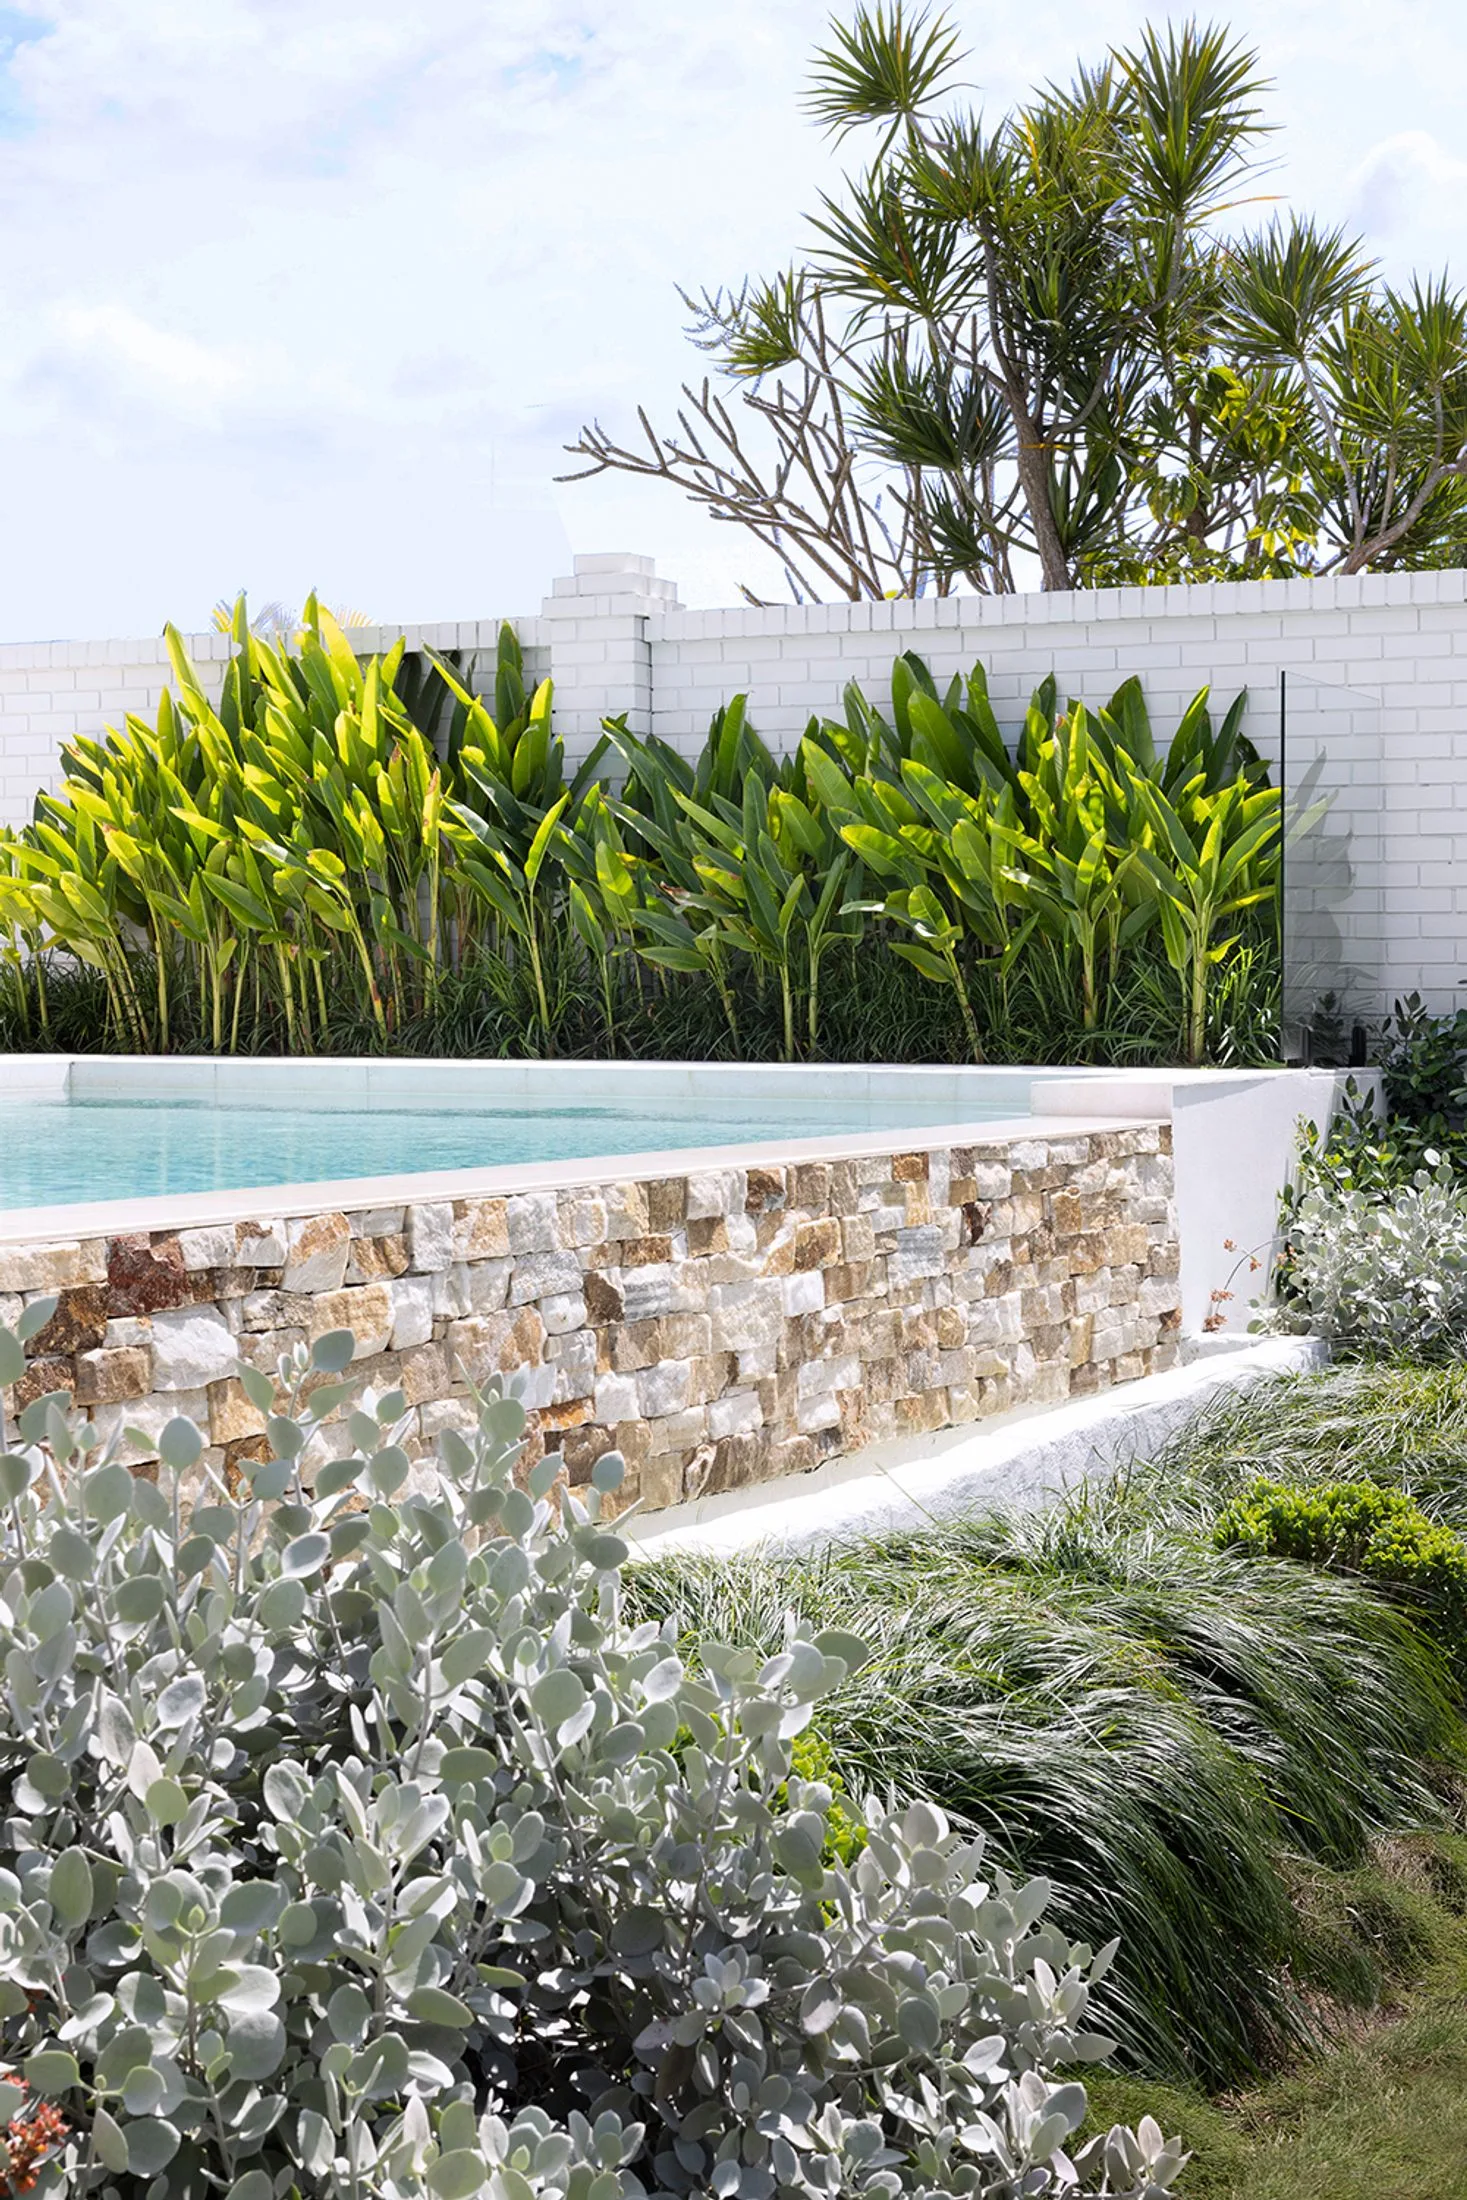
column 1033, row 468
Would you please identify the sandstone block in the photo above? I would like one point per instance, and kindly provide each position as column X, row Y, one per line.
column 490, row 1344
column 430, row 1235
column 412, row 1312
column 41, row 1379
column 366, row 1310
column 481, row 1229
column 803, row 1294
column 858, row 1237
column 425, row 1374
column 211, row 1247
column 679, row 1432
column 667, row 1203
column 818, row 1244
column 644, row 1252
column 192, row 1347
column 106, row 1376
column 660, row 1481
column 53, row 1267
column 79, row 1323
column 231, row 1416
column 259, row 1245
column 532, row 1219
column 543, row 1275
column 662, row 1389
column 715, row 1193
column 316, row 1253
column 580, row 1218
column 377, row 1259
column 603, row 1300
column 626, row 1211
column 737, row 1413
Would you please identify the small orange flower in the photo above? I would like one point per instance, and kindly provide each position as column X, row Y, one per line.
column 29, row 2138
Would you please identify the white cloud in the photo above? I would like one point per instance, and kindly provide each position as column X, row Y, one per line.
column 299, row 294
column 1407, row 181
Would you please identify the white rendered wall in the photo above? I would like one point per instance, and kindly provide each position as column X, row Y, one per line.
column 615, row 639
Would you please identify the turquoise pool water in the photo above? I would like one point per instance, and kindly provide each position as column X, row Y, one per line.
column 52, row 1152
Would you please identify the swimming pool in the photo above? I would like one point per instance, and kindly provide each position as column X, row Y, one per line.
column 135, row 1130
column 54, row 1152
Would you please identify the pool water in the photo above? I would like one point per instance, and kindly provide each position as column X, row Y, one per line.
column 52, row 1152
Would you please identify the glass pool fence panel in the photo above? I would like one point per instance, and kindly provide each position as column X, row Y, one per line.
column 1332, row 914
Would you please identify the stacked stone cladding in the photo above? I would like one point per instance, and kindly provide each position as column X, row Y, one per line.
column 718, row 1328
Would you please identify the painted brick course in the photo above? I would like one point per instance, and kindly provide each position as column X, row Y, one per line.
column 718, row 1329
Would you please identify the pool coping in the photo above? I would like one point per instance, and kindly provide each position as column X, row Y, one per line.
column 190, row 1210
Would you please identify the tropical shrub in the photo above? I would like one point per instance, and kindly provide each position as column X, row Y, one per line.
column 348, row 854
column 1379, row 1272
column 1424, row 1063
column 356, row 1841
column 1357, row 1528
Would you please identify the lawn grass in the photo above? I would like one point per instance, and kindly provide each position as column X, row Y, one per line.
column 1381, row 2114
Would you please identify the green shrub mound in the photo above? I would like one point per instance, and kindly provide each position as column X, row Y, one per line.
column 357, row 1841
column 1358, row 1528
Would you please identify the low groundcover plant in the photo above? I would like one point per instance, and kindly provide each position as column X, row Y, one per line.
column 355, row 1842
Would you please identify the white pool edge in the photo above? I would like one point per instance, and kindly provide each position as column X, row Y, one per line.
column 1023, row 1459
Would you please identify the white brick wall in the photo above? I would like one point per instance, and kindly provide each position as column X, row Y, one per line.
column 615, row 639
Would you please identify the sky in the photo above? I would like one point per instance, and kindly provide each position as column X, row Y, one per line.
column 307, row 293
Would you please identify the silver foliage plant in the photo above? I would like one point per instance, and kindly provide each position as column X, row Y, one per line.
column 1384, row 1274
column 354, row 1843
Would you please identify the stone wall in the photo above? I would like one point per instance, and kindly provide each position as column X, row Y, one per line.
column 718, row 1328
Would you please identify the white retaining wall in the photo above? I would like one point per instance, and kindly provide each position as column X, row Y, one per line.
column 615, row 639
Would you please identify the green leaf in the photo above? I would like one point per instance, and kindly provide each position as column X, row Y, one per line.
column 305, row 1555
column 111, row 2145
column 557, row 1696
column 71, row 1889
column 165, row 1802
column 333, row 1352
column 151, row 2146
column 52, row 2070
column 432, row 2005
column 180, row 1445
column 467, row 1655
column 462, row 1767
column 458, row 2175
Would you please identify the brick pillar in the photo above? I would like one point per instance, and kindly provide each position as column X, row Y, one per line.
column 595, row 624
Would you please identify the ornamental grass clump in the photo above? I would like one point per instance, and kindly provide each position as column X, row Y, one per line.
column 356, row 1841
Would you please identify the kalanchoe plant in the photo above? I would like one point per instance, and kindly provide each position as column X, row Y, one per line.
column 354, row 1843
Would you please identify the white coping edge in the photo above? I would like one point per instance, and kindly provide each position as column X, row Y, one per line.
column 190, row 1210
column 1018, row 1459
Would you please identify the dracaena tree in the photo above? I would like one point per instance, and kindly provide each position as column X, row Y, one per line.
column 1047, row 346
